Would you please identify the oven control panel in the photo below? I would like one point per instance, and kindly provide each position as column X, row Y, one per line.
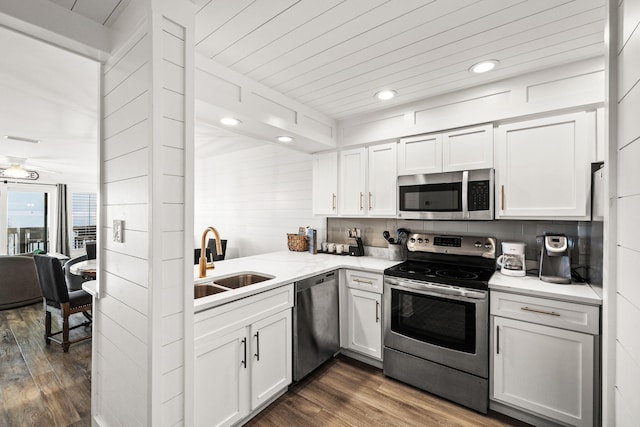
column 481, row 246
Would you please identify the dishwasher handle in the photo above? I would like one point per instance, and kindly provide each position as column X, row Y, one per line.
column 314, row 281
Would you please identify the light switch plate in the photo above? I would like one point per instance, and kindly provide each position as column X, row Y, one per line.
column 118, row 231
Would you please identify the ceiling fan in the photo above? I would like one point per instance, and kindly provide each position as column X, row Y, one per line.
column 14, row 167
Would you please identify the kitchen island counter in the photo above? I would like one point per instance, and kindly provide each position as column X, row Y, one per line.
column 286, row 267
column 532, row 286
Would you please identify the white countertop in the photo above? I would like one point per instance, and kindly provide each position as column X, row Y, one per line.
column 286, row 267
column 531, row 285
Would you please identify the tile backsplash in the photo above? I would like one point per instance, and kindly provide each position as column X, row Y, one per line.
column 503, row 230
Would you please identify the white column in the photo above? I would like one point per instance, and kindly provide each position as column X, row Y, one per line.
column 141, row 332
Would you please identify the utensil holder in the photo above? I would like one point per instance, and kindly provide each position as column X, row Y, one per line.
column 395, row 252
column 297, row 243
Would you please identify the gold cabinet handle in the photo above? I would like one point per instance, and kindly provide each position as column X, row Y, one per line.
column 370, row 207
column 503, row 197
column 333, row 201
column 361, row 196
column 367, row 282
column 377, row 312
column 533, row 310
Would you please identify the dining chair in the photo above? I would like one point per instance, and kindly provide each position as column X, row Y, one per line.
column 58, row 299
column 74, row 281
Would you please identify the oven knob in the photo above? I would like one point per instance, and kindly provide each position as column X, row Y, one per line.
column 413, row 240
column 488, row 245
column 426, row 240
column 419, row 241
column 478, row 245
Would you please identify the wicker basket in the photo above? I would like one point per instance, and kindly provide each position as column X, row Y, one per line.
column 297, row 243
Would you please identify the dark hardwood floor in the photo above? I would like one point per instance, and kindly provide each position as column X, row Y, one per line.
column 40, row 385
column 345, row 392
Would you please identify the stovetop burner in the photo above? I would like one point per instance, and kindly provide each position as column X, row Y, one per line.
column 476, row 277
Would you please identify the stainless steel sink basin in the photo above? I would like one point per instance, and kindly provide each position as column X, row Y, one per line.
column 206, row 289
column 240, row 280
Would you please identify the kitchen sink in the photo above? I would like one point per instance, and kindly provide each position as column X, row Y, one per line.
column 206, row 289
column 240, row 280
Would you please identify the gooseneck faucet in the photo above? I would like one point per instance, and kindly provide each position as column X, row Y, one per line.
column 203, row 258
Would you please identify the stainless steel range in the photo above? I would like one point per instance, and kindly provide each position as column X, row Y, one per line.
column 436, row 315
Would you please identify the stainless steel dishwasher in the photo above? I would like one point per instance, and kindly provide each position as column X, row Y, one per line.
column 316, row 323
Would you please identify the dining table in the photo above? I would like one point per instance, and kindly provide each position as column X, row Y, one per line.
column 86, row 269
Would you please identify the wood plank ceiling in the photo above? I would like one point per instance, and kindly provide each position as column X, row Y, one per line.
column 333, row 55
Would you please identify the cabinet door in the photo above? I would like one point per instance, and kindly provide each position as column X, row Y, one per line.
column 543, row 168
column 353, row 172
column 546, row 370
column 271, row 355
column 381, row 197
column 365, row 325
column 467, row 149
column 222, row 379
column 420, row 154
column 325, row 184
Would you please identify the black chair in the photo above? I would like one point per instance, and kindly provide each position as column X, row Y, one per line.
column 74, row 282
column 91, row 250
column 211, row 245
column 57, row 298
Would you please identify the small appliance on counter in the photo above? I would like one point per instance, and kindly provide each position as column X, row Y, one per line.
column 555, row 259
column 512, row 262
column 358, row 249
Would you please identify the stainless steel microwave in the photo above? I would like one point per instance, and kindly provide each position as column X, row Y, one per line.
column 464, row 195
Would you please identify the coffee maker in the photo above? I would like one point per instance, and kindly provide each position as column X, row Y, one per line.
column 512, row 262
column 555, row 259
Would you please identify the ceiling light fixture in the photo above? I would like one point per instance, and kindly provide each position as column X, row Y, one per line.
column 284, row 138
column 484, row 66
column 385, row 95
column 21, row 139
column 16, row 171
column 230, row 121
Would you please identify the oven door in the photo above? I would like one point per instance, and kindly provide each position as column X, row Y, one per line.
column 443, row 324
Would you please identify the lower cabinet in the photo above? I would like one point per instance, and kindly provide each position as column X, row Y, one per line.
column 242, row 366
column 541, row 367
column 365, row 333
column 363, row 311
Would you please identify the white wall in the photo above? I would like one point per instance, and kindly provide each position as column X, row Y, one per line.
column 627, row 349
column 254, row 197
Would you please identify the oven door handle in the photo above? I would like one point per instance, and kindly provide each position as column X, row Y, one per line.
column 438, row 289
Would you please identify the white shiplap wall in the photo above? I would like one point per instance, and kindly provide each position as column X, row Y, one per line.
column 627, row 384
column 254, row 197
column 140, row 317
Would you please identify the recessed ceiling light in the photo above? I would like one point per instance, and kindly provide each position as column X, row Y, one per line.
column 385, row 95
column 284, row 138
column 230, row 121
column 484, row 66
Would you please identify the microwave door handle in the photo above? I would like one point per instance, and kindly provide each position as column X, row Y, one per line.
column 465, row 194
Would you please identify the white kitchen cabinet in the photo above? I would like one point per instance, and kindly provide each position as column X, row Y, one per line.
column 457, row 150
column 271, row 361
column 382, row 180
column 365, row 332
column 243, row 356
column 420, row 154
column 325, row 183
column 543, row 361
column 222, row 379
column 352, row 182
column 543, row 168
column 467, row 149
column 362, row 315
column 367, row 181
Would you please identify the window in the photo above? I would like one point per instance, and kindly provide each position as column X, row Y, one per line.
column 83, row 219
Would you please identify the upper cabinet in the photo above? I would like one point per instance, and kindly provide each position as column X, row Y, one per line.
column 382, row 177
column 367, row 181
column 461, row 149
column 543, row 168
column 325, row 184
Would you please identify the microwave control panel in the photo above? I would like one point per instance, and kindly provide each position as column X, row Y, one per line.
column 479, row 195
